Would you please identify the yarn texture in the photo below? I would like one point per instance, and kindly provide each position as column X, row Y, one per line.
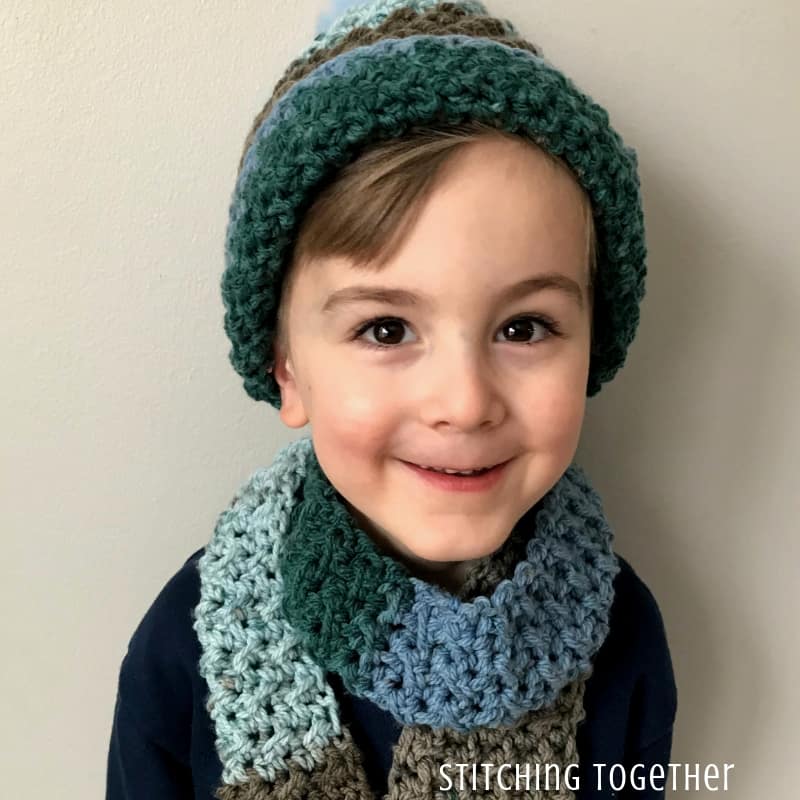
column 379, row 69
column 293, row 591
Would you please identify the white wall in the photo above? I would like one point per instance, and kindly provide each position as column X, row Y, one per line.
column 125, row 430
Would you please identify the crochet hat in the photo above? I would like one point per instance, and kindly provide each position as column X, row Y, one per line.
column 371, row 74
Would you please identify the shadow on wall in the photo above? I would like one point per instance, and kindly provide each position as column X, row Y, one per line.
column 681, row 445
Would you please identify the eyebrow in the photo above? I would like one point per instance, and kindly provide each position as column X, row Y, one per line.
column 404, row 297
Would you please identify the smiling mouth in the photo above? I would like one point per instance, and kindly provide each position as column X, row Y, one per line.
column 475, row 481
column 463, row 472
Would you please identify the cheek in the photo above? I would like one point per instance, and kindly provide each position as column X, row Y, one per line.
column 352, row 402
column 353, row 425
column 351, row 453
column 560, row 398
column 567, row 416
column 555, row 416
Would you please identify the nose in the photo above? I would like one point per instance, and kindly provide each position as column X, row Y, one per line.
column 461, row 390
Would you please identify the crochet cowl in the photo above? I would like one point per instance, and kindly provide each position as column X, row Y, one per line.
column 293, row 593
column 378, row 70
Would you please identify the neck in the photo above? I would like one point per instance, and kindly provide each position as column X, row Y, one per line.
column 448, row 575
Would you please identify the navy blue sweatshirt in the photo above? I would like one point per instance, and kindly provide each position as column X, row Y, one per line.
column 162, row 739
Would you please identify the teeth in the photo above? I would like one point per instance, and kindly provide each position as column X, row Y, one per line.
column 454, row 471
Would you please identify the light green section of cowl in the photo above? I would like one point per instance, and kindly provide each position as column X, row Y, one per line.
column 269, row 701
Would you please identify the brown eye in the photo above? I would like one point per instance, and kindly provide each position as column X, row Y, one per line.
column 517, row 328
column 521, row 329
column 387, row 332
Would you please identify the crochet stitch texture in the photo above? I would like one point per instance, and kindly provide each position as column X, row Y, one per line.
column 520, row 651
column 292, row 590
column 379, row 70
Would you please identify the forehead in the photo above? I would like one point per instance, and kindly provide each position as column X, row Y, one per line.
column 500, row 214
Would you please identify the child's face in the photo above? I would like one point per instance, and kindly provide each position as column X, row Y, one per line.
column 456, row 384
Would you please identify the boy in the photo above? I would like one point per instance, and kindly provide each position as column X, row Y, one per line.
column 435, row 253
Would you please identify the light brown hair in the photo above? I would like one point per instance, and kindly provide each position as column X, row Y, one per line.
column 369, row 206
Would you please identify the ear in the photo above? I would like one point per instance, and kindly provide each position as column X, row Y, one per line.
column 292, row 411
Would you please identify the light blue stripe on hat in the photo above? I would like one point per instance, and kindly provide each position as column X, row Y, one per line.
column 345, row 15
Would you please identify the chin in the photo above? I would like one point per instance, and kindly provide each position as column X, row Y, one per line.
column 461, row 551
